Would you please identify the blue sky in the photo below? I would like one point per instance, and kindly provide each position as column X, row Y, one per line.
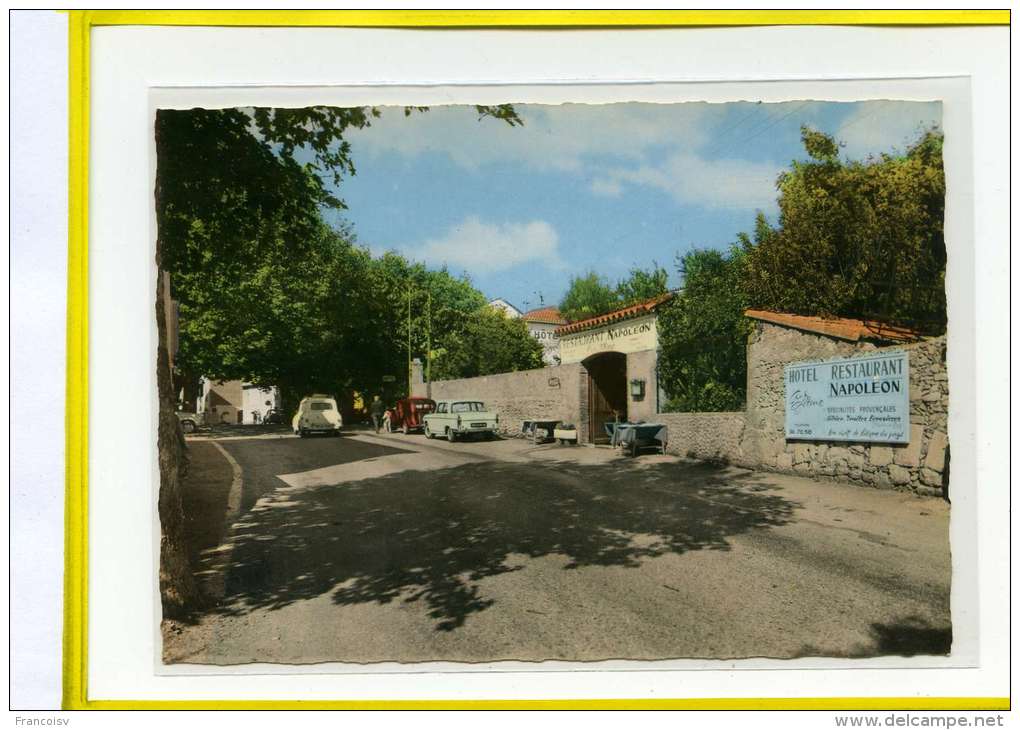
column 579, row 187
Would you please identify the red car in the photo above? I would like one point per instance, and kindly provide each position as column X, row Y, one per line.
column 408, row 415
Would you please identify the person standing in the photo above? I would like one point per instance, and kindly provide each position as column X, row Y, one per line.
column 378, row 410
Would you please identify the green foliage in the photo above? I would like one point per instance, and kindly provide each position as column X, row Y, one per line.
column 268, row 293
column 642, row 284
column 857, row 239
column 436, row 302
column 487, row 342
column 703, row 334
column 587, row 296
column 591, row 295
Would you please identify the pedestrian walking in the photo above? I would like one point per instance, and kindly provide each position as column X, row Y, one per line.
column 378, row 410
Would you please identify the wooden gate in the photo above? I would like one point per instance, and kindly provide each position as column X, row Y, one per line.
column 607, row 392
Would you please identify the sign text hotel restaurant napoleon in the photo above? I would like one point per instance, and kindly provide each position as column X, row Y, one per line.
column 631, row 336
column 851, row 399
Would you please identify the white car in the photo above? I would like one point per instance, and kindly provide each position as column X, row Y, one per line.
column 190, row 421
column 454, row 419
column 317, row 414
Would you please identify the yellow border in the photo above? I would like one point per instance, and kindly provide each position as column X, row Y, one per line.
column 75, row 649
column 546, row 18
column 76, row 498
column 848, row 704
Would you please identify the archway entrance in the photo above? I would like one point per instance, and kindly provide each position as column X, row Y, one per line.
column 607, row 392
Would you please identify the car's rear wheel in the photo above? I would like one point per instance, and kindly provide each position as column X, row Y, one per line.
column 405, row 430
column 428, row 433
column 450, row 435
column 188, row 426
column 302, row 433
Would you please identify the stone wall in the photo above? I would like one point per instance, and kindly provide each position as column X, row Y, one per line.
column 641, row 366
column 756, row 438
column 920, row 465
column 708, row 436
column 548, row 393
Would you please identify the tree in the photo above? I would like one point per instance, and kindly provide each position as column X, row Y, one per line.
column 703, row 334
column 642, row 285
column 277, row 322
column 240, row 231
column 487, row 342
column 591, row 295
column 437, row 301
column 587, row 296
column 857, row 238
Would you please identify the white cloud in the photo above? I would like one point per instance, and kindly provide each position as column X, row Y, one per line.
column 559, row 137
column 484, row 248
column 691, row 180
column 883, row 126
column 678, row 148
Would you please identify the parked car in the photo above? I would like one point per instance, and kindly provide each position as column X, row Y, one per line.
column 454, row 419
column 408, row 415
column 190, row 421
column 317, row 414
column 273, row 416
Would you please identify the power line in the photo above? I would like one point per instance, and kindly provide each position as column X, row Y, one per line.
column 775, row 122
column 719, row 144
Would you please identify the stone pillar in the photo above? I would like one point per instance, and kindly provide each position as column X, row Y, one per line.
column 418, row 386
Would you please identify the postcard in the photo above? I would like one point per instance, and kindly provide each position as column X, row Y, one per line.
column 581, row 372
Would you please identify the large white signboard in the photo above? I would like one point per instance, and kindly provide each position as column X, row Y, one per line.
column 854, row 399
column 632, row 335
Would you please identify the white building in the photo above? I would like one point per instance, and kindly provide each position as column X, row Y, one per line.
column 232, row 401
column 542, row 324
column 506, row 307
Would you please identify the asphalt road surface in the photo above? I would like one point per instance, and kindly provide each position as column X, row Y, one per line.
column 372, row 548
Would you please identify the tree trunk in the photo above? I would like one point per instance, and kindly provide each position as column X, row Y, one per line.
column 177, row 584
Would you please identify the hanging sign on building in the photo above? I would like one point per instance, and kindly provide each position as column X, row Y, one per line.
column 864, row 399
column 632, row 335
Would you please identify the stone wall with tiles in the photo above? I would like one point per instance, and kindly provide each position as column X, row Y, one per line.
column 547, row 393
column 922, row 465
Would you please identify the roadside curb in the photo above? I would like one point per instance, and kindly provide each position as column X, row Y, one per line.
column 234, row 496
column 211, row 570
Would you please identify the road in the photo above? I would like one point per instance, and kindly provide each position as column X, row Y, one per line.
column 372, row 548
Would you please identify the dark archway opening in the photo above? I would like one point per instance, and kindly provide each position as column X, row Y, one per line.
column 607, row 393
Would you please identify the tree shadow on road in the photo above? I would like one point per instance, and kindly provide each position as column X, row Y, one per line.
column 911, row 635
column 432, row 536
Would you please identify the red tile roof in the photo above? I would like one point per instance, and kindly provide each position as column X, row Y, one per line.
column 548, row 315
column 839, row 327
column 634, row 310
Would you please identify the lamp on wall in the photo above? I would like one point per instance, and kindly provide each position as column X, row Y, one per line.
column 637, row 389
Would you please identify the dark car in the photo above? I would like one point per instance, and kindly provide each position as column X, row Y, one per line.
column 273, row 416
column 408, row 415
